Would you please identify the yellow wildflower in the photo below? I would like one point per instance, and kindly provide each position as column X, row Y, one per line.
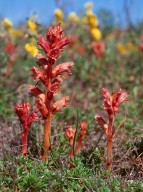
column 92, row 19
column 15, row 33
column 88, row 5
column 131, row 47
column 32, row 26
column 7, row 24
column 73, row 17
column 93, row 22
column 59, row 14
column 96, row 34
column 32, row 49
column 121, row 48
column 89, row 13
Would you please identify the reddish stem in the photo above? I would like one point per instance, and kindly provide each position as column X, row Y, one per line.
column 24, row 142
column 47, row 122
column 78, row 145
column 47, row 133
column 71, row 159
column 109, row 142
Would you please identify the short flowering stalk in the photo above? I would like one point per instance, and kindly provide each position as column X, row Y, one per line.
column 98, row 49
column 10, row 49
column 51, row 78
column 26, row 119
column 111, row 104
column 70, row 135
column 83, row 129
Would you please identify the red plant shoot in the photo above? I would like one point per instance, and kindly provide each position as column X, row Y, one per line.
column 141, row 44
column 70, row 134
column 111, row 104
column 10, row 50
column 98, row 49
column 51, row 77
column 26, row 119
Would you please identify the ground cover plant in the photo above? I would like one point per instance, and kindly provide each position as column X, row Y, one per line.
column 82, row 147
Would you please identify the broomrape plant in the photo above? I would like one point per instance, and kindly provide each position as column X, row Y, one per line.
column 51, row 77
column 26, row 119
column 111, row 104
column 75, row 144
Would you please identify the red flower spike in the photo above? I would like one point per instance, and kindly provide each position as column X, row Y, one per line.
column 60, row 103
column 22, row 111
column 51, row 79
column 9, row 48
column 61, row 68
column 55, row 42
column 70, row 135
column 98, row 48
column 111, row 104
column 83, row 129
column 26, row 120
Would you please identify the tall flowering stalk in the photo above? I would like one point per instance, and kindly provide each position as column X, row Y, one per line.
column 51, row 77
column 26, row 119
column 111, row 104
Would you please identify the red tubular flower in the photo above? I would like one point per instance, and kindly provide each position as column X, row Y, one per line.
column 102, row 123
column 83, row 129
column 51, row 77
column 38, row 74
column 26, row 119
column 70, row 133
column 42, row 61
column 111, row 104
column 98, row 48
column 60, row 103
column 61, row 68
